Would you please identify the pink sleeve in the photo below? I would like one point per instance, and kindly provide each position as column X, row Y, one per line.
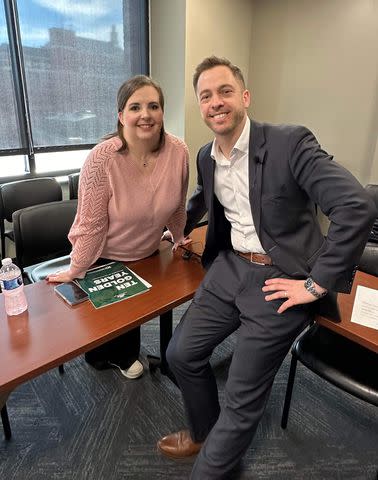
column 89, row 230
column 176, row 223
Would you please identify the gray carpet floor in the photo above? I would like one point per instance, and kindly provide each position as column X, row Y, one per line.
column 95, row 425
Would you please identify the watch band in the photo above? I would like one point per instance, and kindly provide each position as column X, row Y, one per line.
column 310, row 287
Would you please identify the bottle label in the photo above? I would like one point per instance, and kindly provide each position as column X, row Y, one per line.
column 11, row 284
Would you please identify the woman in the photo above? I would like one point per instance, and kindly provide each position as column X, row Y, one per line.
column 132, row 185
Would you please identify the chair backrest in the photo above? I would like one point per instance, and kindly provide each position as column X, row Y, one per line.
column 24, row 193
column 372, row 190
column 40, row 231
column 73, row 185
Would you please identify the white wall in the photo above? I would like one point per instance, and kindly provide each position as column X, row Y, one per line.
column 182, row 34
column 308, row 62
column 316, row 63
column 374, row 169
column 213, row 27
column 167, row 59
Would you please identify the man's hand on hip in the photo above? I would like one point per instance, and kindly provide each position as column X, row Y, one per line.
column 293, row 290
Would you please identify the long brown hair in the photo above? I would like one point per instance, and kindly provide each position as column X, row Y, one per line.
column 125, row 91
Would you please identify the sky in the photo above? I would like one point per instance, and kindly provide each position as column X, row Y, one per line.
column 88, row 18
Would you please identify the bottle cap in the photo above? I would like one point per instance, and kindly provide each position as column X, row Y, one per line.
column 6, row 261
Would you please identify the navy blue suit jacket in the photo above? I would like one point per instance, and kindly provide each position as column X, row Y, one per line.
column 289, row 174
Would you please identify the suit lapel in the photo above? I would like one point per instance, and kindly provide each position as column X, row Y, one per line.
column 257, row 153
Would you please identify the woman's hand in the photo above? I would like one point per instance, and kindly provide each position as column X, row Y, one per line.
column 181, row 243
column 61, row 276
column 167, row 235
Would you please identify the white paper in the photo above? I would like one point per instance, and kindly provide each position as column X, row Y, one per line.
column 365, row 308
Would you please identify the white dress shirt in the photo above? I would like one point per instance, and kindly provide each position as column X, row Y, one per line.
column 231, row 186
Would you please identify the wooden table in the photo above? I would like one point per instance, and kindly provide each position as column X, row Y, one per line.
column 51, row 332
column 365, row 336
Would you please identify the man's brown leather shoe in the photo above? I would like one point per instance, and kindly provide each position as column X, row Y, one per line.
column 178, row 445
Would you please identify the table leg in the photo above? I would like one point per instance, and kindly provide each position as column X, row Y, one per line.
column 6, row 423
column 166, row 328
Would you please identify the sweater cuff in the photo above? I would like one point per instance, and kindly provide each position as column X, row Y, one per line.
column 177, row 235
column 77, row 272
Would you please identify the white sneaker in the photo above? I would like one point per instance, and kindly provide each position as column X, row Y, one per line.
column 134, row 371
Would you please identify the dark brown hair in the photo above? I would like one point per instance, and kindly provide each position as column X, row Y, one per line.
column 213, row 61
column 125, row 91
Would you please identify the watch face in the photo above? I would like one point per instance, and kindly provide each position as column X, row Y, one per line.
column 309, row 286
column 309, row 282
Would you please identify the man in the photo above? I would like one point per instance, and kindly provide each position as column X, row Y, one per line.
column 269, row 266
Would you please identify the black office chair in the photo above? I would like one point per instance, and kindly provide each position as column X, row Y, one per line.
column 42, row 247
column 73, row 185
column 335, row 358
column 338, row 360
column 21, row 194
column 40, row 234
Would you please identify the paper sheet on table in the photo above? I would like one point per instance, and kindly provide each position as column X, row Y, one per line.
column 365, row 308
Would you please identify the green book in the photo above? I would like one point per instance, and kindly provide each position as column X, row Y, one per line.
column 112, row 283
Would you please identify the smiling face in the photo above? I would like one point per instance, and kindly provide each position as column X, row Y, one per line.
column 223, row 102
column 142, row 116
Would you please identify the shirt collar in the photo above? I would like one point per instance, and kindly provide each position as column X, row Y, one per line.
column 241, row 145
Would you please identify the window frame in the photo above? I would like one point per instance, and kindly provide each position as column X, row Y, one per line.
column 28, row 149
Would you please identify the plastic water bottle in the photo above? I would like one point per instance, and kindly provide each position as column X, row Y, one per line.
column 12, row 288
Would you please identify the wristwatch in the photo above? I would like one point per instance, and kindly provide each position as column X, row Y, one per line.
column 309, row 285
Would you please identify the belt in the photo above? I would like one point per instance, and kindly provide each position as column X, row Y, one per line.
column 260, row 258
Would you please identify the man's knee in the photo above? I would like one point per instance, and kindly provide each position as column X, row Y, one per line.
column 178, row 355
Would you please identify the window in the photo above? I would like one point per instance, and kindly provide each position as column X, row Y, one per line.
column 61, row 64
column 9, row 133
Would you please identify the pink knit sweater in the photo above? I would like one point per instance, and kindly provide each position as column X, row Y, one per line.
column 121, row 212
